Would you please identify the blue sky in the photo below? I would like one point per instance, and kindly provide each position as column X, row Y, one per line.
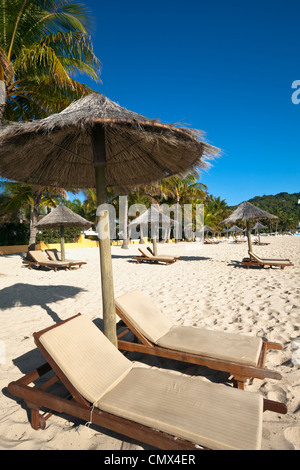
column 225, row 67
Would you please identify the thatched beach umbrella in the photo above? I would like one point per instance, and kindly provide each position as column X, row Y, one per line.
column 153, row 217
column 62, row 217
column 235, row 229
column 258, row 226
column 247, row 211
column 207, row 228
column 95, row 143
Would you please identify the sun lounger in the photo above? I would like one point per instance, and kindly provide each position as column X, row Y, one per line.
column 38, row 258
column 241, row 356
column 54, row 255
column 254, row 260
column 162, row 408
column 258, row 242
column 147, row 256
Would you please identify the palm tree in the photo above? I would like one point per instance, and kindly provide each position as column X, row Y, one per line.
column 182, row 190
column 43, row 43
column 75, row 206
column 28, row 198
column 215, row 210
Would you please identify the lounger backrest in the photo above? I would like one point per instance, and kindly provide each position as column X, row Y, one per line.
column 87, row 358
column 53, row 255
column 254, row 256
column 146, row 252
column 146, row 318
column 38, row 256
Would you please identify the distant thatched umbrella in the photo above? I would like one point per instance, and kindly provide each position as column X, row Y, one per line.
column 207, row 228
column 235, row 229
column 258, row 226
column 95, row 143
column 155, row 218
column 247, row 211
column 62, row 217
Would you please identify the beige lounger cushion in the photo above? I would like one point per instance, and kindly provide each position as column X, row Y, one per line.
column 216, row 344
column 149, row 320
column 147, row 254
column 274, row 262
column 54, row 255
column 93, row 365
column 143, row 314
column 212, row 415
column 40, row 257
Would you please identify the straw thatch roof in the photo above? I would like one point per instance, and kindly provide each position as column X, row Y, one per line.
column 62, row 215
column 235, row 228
column 247, row 211
column 57, row 150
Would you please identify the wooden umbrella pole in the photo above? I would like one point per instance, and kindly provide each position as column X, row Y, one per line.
column 249, row 235
column 108, row 301
column 154, row 242
column 62, row 242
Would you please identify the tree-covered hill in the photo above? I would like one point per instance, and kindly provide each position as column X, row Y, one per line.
column 284, row 205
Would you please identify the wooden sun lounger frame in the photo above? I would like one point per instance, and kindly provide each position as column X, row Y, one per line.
column 155, row 259
column 254, row 260
column 37, row 397
column 31, row 263
column 52, row 265
column 240, row 372
column 72, row 262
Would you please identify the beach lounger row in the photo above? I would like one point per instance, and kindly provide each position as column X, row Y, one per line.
column 52, row 261
column 162, row 408
column 165, row 409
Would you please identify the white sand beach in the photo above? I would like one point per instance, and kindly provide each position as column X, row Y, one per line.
column 207, row 288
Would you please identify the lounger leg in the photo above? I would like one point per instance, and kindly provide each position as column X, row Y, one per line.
column 37, row 421
column 240, row 382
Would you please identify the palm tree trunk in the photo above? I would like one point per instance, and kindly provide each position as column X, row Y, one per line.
column 2, row 100
column 37, row 194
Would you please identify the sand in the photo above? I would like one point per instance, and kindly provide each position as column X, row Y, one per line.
column 207, row 288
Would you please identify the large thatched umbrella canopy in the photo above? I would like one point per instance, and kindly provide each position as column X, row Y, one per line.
column 62, row 217
column 247, row 211
column 95, row 143
column 60, row 149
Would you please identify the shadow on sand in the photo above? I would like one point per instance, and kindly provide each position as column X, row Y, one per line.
column 28, row 295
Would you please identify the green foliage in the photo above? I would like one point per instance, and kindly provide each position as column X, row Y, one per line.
column 44, row 44
column 215, row 211
column 71, row 235
column 14, row 234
